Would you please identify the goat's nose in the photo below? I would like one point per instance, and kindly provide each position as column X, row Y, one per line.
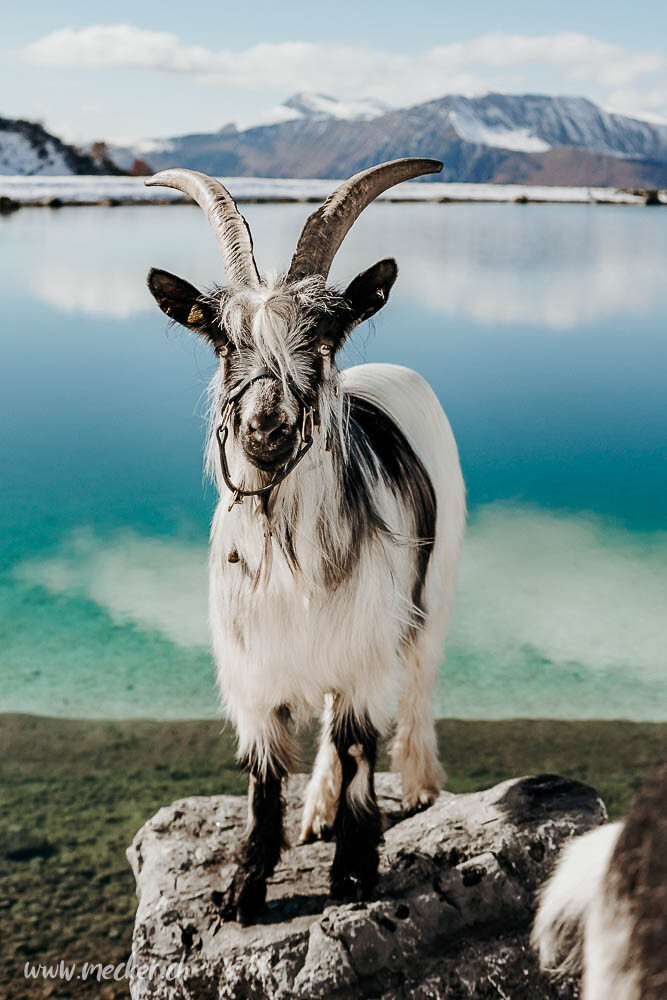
column 267, row 428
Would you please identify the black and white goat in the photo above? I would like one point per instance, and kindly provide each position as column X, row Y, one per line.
column 604, row 910
column 335, row 543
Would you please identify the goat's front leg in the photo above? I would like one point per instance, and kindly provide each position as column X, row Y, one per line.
column 260, row 849
column 323, row 792
column 358, row 823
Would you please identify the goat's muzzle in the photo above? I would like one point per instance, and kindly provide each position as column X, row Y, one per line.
column 271, row 443
column 269, row 440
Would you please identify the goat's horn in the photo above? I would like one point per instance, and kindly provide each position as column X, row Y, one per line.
column 231, row 229
column 326, row 228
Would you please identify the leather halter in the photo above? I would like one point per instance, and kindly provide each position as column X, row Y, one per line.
column 310, row 419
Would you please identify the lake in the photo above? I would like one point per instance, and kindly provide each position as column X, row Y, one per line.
column 541, row 327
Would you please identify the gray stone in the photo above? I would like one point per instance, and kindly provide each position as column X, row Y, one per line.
column 450, row 917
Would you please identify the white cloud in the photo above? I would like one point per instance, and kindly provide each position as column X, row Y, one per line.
column 464, row 67
column 579, row 55
column 649, row 103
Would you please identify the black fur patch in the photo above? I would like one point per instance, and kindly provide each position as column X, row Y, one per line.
column 377, row 442
column 358, row 832
column 358, row 510
column 260, row 850
column 283, row 536
column 638, row 872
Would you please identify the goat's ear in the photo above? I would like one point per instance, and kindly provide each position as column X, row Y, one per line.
column 369, row 291
column 180, row 301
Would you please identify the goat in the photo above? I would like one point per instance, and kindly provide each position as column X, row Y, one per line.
column 604, row 910
column 335, row 542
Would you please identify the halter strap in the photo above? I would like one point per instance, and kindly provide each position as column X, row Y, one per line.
column 310, row 419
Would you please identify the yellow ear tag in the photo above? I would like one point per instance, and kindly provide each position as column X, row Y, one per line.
column 196, row 316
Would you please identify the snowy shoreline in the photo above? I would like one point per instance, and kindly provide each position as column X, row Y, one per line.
column 102, row 190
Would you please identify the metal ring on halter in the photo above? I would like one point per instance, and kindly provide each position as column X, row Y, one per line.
column 310, row 419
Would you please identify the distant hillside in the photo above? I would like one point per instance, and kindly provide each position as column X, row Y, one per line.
column 501, row 138
column 27, row 148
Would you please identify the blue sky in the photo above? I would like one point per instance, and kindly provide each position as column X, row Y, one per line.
column 154, row 69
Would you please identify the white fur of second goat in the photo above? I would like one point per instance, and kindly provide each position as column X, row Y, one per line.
column 603, row 912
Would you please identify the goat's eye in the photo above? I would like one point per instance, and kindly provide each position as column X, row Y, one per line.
column 324, row 350
column 222, row 350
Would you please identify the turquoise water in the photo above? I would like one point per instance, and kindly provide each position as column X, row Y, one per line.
column 542, row 329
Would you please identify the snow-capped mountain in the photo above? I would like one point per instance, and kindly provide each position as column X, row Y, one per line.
column 299, row 107
column 27, row 148
column 495, row 138
column 315, row 106
column 503, row 138
column 324, row 106
column 533, row 123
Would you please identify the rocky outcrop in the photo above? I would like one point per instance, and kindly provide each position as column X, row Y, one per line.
column 450, row 917
column 27, row 148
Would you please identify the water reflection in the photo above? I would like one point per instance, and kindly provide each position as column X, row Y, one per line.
column 103, row 517
column 551, row 266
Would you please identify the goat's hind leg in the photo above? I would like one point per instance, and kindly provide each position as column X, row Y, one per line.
column 259, row 853
column 358, row 823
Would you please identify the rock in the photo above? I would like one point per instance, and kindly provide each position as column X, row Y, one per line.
column 450, row 917
column 140, row 168
column 8, row 205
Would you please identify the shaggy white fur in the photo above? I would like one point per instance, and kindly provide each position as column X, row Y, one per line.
column 581, row 923
column 286, row 638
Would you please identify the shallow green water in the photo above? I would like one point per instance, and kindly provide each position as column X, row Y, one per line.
column 542, row 328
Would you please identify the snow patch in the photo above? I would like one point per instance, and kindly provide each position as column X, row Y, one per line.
column 319, row 106
column 145, row 146
column 273, row 116
column 18, row 155
column 93, row 188
column 472, row 129
column 322, row 105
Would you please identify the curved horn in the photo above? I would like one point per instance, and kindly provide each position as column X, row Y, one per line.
column 231, row 229
column 326, row 228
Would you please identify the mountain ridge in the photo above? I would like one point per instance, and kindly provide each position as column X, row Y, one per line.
column 532, row 139
column 501, row 138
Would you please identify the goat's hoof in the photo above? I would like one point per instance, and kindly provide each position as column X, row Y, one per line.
column 321, row 831
column 345, row 888
column 245, row 898
column 353, row 888
column 317, row 823
column 417, row 802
